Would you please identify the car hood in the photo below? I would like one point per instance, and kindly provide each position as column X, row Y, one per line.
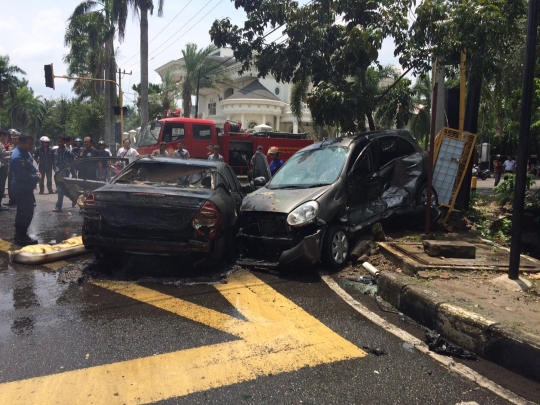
column 281, row 200
column 129, row 191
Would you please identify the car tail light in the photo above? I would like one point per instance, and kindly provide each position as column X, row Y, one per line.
column 207, row 220
column 90, row 202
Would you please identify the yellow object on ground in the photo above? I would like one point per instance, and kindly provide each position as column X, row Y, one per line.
column 68, row 243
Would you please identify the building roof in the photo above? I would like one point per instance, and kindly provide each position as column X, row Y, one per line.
column 254, row 90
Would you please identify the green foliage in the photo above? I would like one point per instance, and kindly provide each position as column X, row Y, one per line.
column 26, row 112
column 332, row 44
column 506, row 189
column 9, row 82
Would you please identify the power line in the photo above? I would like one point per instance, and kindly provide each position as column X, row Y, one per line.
column 170, row 22
column 190, row 27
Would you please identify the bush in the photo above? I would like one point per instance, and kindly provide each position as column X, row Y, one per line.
column 506, row 189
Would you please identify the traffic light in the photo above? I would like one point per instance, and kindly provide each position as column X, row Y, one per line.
column 49, row 76
column 116, row 109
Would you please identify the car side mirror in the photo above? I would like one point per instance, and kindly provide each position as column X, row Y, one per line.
column 259, row 182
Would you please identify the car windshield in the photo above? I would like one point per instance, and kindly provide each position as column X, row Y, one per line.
column 167, row 175
column 311, row 168
column 149, row 136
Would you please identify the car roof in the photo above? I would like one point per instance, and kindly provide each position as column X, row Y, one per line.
column 188, row 162
column 346, row 141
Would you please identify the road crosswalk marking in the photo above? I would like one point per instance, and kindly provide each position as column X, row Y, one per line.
column 277, row 336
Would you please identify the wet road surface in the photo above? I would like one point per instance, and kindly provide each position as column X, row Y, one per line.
column 256, row 337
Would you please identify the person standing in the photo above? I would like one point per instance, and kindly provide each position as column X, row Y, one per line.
column 44, row 157
column 161, row 152
column 259, row 150
column 276, row 162
column 181, row 152
column 90, row 170
column 104, row 152
column 76, row 149
column 62, row 158
column 25, row 179
column 497, row 170
column 509, row 165
column 215, row 156
column 128, row 152
column 14, row 142
column 4, row 164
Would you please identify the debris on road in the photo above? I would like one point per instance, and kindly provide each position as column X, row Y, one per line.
column 440, row 345
column 377, row 351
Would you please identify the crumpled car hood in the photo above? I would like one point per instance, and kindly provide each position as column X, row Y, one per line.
column 281, row 200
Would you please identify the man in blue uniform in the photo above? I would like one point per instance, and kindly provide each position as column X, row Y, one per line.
column 25, row 179
column 276, row 162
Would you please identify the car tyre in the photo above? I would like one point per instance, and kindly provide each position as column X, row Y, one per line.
column 483, row 176
column 421, row 198
column 335, row 249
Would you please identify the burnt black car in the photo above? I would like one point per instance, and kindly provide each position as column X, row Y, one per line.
column 327, row 193
column 160, row 206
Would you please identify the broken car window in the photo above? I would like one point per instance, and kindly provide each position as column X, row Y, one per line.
column 167, row 175
column 311, row 168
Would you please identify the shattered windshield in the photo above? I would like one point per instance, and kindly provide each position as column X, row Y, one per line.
column 167, row 175
column 311, row 168
column 149, row 136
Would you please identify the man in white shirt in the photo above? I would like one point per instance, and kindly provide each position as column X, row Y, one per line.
column 509, row 165
column 128, row 152
column 216, row 156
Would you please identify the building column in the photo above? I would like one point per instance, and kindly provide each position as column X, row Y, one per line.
column 295, row 126
column 263, row 119
column 243, row 119
column 228, row 117
column 277, row 122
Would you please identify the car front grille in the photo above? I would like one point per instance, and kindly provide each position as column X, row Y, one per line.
column 265, row 224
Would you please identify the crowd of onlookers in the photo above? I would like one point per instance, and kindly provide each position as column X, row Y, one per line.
column 510, row 166
column 19, row 156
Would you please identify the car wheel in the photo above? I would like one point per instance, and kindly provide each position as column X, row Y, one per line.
column 422, row 197
column 335, row 250
column 483, row 176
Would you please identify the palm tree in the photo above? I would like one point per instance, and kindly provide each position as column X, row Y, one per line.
column 26, row 111
column 198, row 68
column 90, row 34
column 140, row 8
column 9, row 83
column 421, row 121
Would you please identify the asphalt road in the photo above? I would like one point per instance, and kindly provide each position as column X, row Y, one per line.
column 125, row 336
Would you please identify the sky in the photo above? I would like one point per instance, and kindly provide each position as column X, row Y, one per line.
column 32, row 35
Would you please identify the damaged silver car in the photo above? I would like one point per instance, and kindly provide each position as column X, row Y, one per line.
column 327, row 193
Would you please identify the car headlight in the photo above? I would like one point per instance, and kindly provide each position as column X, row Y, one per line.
column 303, row 214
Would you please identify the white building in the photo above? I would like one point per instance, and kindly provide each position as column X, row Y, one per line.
column 246, row 98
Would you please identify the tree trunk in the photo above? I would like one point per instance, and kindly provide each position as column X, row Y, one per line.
column 186, row 99
column 109, row 50
column 144, row 64
column 371, row 123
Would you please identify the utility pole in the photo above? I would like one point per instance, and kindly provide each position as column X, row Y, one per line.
column 121, row 101
column 523, row 142
column 197, row 103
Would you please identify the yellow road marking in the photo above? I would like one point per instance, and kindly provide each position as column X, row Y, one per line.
column 277, row 337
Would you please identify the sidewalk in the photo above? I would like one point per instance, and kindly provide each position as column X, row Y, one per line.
column 463, row 304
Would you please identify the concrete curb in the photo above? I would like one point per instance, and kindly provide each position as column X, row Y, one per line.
column 514, row 350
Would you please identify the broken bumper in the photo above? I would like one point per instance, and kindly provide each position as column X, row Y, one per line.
column 305, row 253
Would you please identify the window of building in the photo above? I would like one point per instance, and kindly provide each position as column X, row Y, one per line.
column 212, row 107
column 252, row 124
column 229, row 92
column 202, row 132
column 276, row 91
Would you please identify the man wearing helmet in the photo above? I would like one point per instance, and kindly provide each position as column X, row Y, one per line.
column 44, row 157
column 104, row 152
column 75, row 150
column 276, row 162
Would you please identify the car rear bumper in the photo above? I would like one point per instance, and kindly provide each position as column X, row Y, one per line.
column 305, row 253
column 144, row 246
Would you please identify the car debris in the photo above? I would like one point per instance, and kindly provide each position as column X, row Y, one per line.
column 440, row 345
column 377, row 351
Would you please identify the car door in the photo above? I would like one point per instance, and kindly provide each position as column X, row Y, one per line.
column 403, row 176
column 80, row 181
column 364, row 187
column 236, row 191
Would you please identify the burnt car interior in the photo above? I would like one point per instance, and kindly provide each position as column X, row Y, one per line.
column 167, row 175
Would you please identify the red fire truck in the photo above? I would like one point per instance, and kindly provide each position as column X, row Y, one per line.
column 236, row 145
